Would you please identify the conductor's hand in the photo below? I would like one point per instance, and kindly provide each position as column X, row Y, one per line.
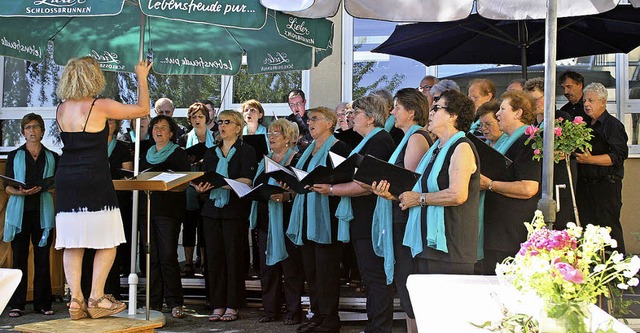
column 381, row 189
column 142, row 69
column 202, row 187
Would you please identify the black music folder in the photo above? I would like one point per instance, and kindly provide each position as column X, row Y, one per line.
column 374, row 169
column 492, row 163
column 46, row 183
column 196, row 152
column 258, row 142
column 211, row 177
column 261, row 192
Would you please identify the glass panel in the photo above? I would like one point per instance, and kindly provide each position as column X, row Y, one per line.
column 11, row 136
column 266, row 88
column 634, row 74
column 373, row 71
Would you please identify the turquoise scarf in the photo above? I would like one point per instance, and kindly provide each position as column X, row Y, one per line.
column 388, row 125
column 15, row 206
column 220, row 196
column 276, row 250
column 474, row 127
column 158, row 156
column 382, row 224
column 504, row 137
column 436, row 237
column 260, row 130
column 344, row 213
column 318, row 214
column 132, row 134
column 504, row 143
column 193, row 201
column 111, row 146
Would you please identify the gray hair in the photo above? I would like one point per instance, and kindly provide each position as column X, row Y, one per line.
column 597, row 88
column 374, row 107
column 386, row 96
column 443, row 86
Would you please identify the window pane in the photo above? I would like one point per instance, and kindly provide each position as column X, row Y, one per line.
column 266, row 88
column 634, row 74
column 373, row 71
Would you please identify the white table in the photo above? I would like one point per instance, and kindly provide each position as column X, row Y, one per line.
column 9, row 280
column 449, row 303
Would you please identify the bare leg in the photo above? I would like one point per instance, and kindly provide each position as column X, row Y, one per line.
column 412, row 326
column 73, row 270
column 101, row 266
column 188, row 253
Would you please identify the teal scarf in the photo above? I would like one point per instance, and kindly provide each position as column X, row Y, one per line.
column 318, row 214
column 158, row 156
column 435, row 214
column 382, row 224
column 504, row 143
column 504, row 137
column 193, row 201
column 15, row 206
column 111, row 146
column 475, row 126
column 260, row 130
column 220, row 196
column 388, row 125
column 344, row 213
column 132, row 134
column 276, row 250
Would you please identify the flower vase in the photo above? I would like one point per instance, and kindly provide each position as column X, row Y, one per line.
column 565, row 317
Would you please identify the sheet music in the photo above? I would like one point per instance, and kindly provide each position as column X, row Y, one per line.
column 240, row 188
column 336, row 159
column 272, row 166
column 167, row 176
column 300, row 174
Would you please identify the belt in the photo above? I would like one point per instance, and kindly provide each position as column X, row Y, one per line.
column 608, row 178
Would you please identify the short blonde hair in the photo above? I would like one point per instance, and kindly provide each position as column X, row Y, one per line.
column 327, row 113
column 289, row 130
column 235, row 116
column 81, row 78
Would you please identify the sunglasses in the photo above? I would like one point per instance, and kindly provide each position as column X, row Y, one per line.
column 226, row 122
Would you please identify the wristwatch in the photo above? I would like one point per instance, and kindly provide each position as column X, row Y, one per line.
column 423, row 199
column 490, row 187
column 331, row 190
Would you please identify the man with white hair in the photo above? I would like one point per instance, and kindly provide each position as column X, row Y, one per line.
column 164, row 106
column 600, row 171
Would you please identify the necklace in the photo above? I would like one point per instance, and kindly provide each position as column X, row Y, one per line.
column 34, row 154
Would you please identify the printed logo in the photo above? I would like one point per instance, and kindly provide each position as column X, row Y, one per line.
column 107, row 60
column 58, row 3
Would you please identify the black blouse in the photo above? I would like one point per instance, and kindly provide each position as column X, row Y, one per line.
column 168, row 204
column 33, row 173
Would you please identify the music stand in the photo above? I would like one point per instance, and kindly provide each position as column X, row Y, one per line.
column 154, row 182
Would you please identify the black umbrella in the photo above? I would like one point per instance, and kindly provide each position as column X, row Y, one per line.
column 477, row 40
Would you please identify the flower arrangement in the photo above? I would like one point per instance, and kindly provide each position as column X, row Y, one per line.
column 567, row 269
column 570, row 136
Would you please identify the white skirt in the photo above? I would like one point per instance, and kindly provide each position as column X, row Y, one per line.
column 93, row 230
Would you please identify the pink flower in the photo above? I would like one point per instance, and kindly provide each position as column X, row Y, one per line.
column 578, row 120
column 560, row 119
column 558, row 131
column 569, row 273
column 536, row 151
column 531, row 131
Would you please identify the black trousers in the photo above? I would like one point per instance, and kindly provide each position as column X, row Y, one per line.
column 428, row 266
column 164, row 281
column 599, row 203
column 379, row 293
column 272, row 283
column 321, row 267
column 226, row 244
column 491, row 258
column 192, row 226
column 31, row 233
column 405, row 266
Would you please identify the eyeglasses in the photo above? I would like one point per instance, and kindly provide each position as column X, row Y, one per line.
column 160, row 128
column 436, row 99
column 437, row 107
column 425, row 87
column 353, row 113
column 487, row 124
column 293, row 105
column 226, row 122
column 32, row 127
column 270, row 134
column 316, row 118
column 341, row 114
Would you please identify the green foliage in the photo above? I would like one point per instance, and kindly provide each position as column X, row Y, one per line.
column 362, row 68
column 570, row 136
column 267, row 88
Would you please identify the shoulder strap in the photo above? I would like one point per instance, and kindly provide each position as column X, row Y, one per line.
column 89, row 114
column 426, row 136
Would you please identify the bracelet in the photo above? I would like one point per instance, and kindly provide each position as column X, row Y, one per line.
column 490, row 187
column 331, row 190
column 423, row 199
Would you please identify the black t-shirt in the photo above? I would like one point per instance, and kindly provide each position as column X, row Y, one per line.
column 122, row 153
column 241, row 165
column 349, row 136
column 168, row 204
column 381, row 146
column 504, row 217
column 607, row 128
column 461, row 222
column 33, row 173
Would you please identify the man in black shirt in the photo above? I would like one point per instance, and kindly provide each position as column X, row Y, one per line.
column 572, row 83
column 297, row 104
column 600, row 171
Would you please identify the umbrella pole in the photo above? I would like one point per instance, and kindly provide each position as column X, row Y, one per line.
column 547, row 204
column 524, row 43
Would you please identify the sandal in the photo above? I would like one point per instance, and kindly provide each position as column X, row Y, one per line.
column 15, row 313
column 216, row 316
column 230, row 315
column 79, row 312
column 47, row 312
column 177, row 312
column 97, row 312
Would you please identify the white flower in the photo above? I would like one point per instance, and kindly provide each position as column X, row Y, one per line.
column 571, row 225
column 633, row 282
column 617, row 257
column 623, row 286
column 613, row 243
column 599, row 268
column 634, row 264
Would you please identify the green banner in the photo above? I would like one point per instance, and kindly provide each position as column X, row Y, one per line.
column 309, row 32
column 245, row 14
column 49, row 8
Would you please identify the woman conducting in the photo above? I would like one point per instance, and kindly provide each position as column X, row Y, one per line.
column 85, row 217
column 167, row 211
column 314, row 227
column 225, row 218
column 29, row 215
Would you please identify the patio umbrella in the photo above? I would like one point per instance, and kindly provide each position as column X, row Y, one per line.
column 478, row 40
